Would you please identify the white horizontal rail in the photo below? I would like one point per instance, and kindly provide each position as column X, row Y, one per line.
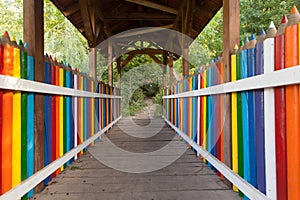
column 282, row 77
column 28, row 184
column 234, row 178
column 13, row 83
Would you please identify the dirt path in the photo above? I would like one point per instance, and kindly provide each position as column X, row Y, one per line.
column 148, row 111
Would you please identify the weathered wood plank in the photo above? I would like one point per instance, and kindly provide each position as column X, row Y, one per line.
column 155, row 6
column 186, row 178
column 207, row 195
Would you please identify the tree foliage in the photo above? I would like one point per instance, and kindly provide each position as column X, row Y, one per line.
column 62, row 39
column 11, row 18
column 254, row 15
column 257, row 14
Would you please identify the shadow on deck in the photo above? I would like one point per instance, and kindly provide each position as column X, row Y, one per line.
column 186, row 178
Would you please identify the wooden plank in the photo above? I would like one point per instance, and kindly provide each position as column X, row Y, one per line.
column 139, row 16
column 216, row 194
column 144, row 31
column 171, row 71
column 71, row 10
column 155, row 6
column 185, row 62
column 34, row 35
column 165, row 64
column 231, row 36
column 110, row 63
column 89, row 178
column 119, row 71
column 92, row 63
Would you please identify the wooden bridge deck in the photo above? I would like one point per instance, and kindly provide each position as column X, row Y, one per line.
column 186, row 178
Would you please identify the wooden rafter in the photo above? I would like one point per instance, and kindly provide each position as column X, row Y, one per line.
column 144, row 31
column 100, row 16
column 155, row 59
column 179, row 14
column 139, row 16
column 190, row 15
column 88, row 27
column 154, row 6
column 71, row 10
column 148, row 51
column 128, row 59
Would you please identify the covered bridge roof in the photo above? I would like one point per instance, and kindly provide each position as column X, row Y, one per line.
column 98, row 20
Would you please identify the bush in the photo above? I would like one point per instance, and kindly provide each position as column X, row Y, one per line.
column 157, row 99
column 150, row 89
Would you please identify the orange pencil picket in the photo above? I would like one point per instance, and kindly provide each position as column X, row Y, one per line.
column 6, row 139
column 292, row 109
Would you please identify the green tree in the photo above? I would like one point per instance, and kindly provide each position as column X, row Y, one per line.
column 257, row 14
column 11, row 18
column 63, row 40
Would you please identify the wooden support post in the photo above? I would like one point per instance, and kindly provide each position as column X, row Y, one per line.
column 34, row 34
column 171, row 75
column 110, row 64
column 119, row 71
column 184, row 46
column 231, row 36
column 92, row 63
column 185, row 62
column 165, row 63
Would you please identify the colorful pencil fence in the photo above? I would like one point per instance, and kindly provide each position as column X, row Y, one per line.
column 69, row 120
column 265, row 122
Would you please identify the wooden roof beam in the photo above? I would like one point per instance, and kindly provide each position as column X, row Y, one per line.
column 148, row 51
column 88, row 27
column 147, row 30
column 128, row 59
column 100, row 16
column 71, row 10
column 155, row 59
column 139, row 16
column 154, row 6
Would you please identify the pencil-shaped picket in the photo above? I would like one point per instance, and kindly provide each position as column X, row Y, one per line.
column 293, row 108
column 221, row 113
column 7, row 114
column 204, row 113
column 280, row 116
column 195, row 109
column 24, row 102
column 16, row 122
column 251, row 103
column 245, row 114
column 199, row 111
column 259, row 115
column 30, row 120
column 47, row 117
column 234, row 128
column 1, row 113
column 239, row 116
